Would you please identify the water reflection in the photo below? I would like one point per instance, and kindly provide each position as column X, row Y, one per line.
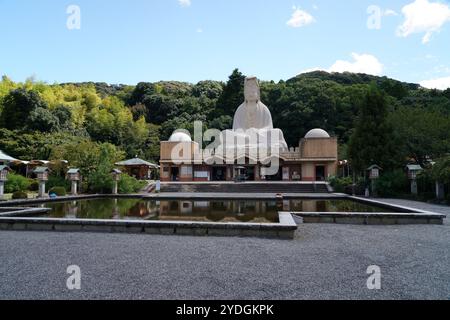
column 217, row 211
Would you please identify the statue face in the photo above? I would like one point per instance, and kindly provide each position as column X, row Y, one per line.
column 251, row 90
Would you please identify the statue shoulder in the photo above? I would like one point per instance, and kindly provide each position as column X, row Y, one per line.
column 263, row 106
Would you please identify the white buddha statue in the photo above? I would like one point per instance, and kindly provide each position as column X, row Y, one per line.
column 252, row 126
column 252, row 114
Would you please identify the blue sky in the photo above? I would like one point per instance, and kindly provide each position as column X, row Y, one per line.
column 128, row 41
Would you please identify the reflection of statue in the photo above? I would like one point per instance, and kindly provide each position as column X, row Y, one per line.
column 252, row 125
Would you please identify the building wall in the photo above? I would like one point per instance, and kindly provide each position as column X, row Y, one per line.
column 319, row 148
column 181, row 150
column 304, row 160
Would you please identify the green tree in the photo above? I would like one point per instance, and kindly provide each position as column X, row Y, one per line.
column 41, row 119
column 373, row 141
column 423, row 132
column 17, row 106
column 232, row 95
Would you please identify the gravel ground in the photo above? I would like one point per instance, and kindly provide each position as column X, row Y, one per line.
column 323, row 262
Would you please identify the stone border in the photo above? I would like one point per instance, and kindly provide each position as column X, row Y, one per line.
column 402, row 216
column 370, row 218
column 14, row 211
column 285, row 229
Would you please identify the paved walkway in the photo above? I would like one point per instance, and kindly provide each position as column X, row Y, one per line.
column 421, row 206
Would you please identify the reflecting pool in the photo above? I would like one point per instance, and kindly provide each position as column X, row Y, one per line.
column 255, row 211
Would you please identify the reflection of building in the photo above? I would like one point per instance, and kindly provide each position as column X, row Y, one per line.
column 247, row 151
column 224, row 211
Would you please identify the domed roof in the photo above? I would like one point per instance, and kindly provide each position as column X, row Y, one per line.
column 180, row 137
column 317, row 133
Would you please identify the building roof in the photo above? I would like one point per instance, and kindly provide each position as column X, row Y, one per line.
column 40, row 170
column 180, row 137
column 5, row 157
column 136, row 162
column 317, row 133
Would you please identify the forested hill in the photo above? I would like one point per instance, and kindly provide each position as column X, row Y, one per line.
column 348, row 78
column 45, row 121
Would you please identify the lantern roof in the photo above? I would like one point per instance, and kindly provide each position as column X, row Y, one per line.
column 73, row 171
column 5, row 168
column 41, row 170
column 116, row 171
column 414, row 167
column 374, row 167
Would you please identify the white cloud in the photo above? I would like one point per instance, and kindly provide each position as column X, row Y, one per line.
column 199, row 30
column 423, row 16
column 389, row 12
column 184, row 3
column 300, row 18
column 439, row 83
column 362, row 63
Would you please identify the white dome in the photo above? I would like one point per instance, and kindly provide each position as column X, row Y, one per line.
column 317, row 133
column 180, row 137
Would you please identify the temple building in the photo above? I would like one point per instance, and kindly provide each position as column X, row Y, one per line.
column 252, row 151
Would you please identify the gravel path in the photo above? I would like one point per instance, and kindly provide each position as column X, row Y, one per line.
column 323, row 262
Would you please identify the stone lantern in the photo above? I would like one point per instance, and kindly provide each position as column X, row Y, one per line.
column 413, row 170
column 4, row 170
column 42, row 176
column 116, row 178
column 374, row 174
column 74, row 176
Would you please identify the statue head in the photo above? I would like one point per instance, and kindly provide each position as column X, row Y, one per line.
column 251, row 89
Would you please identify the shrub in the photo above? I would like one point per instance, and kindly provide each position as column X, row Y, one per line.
column 57, row 181
column 34, row 186
column 129, row 184
column 59, row 191
column 20, row 195
column 16, row 182
column 392, row 183
column 100, row 182
column 339, row 184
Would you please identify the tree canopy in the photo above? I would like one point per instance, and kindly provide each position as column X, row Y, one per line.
column 374, row 118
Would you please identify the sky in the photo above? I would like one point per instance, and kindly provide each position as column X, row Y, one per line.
column 129, row 41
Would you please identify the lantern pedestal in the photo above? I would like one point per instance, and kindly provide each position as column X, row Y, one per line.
column 2, row 189
column 440, row 191
column 74, row 188
column 115, row 189
column 41, row 193
column 116, row 178
column 414, row 189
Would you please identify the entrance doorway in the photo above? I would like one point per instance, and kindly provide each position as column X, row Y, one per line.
column 175, row 174
column 250, row 173
column 219, row 174
column 320, row 173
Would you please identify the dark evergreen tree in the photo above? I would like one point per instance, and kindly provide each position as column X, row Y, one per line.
column 373, row 141
column 232, row 95
column 17, row 106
